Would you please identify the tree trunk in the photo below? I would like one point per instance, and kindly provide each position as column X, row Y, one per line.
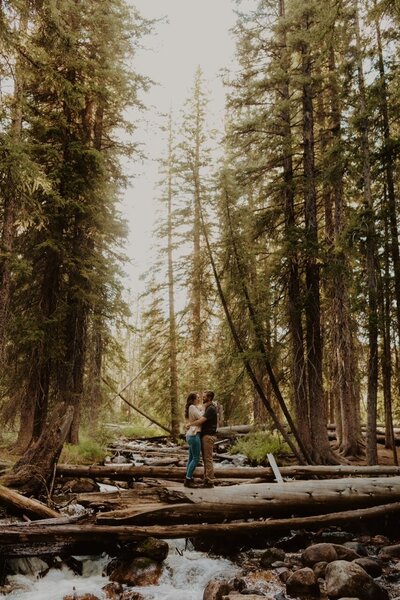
column 321, row 451
column 34, row 470
column 372, row 455
column 299, row 384
column 173, row 367
column 389, row 163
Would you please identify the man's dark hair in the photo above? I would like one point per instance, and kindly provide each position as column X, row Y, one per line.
column 210, row 395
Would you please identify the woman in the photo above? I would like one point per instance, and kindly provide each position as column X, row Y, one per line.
column 192, row 413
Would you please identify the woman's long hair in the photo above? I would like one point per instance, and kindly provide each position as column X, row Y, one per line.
column 191, row 399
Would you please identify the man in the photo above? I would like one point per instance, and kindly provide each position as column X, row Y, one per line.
column 208, row 424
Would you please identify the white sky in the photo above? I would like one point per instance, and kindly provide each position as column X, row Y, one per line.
column 196, row 32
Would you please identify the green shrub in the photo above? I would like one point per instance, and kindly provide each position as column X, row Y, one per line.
column 257, row 445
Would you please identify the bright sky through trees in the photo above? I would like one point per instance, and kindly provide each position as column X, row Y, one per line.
column 190, row 33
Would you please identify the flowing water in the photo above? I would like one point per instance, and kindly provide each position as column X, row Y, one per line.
column 185, row 575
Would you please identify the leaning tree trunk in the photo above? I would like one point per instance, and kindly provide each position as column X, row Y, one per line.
column 33, row 472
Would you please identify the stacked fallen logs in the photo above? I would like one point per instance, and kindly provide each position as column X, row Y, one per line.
column 169, row 510
column 49, row 538
column 180, row 512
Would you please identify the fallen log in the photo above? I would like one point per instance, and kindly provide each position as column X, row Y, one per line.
column 21, row 505
column 128, row 498
column 167, row 514
column 126, row 473
column 330, row 493
column 53, row 539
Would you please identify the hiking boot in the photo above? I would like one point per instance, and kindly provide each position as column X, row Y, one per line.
column 208, row 484
column 189, row 483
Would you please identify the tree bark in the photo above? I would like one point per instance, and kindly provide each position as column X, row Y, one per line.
column 34, row 470
column 299, row 385
column 372, row 455
column 321, row 451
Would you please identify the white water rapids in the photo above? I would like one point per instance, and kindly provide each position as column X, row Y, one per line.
column 185, row 575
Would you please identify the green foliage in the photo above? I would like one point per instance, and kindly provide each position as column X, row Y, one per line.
column 88, row 451
column 92, row 447
column 257, row 445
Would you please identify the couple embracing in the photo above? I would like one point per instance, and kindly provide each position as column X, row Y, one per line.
column 201, row 426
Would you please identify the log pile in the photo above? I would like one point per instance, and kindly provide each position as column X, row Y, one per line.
column 244, row 501
column 168, row 510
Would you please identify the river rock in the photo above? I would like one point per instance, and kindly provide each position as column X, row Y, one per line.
column 26, row 566
column 302, row 581
column 357, row 547
column 152, row 548
column 138, row 571
column 316, row 553
column 345, row 553
column 216, row 589
column 319, row 569
column 388, row 552
column 270, row 556
column 113, row 590
column 349, row 579
column 371, row 565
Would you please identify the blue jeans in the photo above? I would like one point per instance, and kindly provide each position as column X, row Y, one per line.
column 194, row 454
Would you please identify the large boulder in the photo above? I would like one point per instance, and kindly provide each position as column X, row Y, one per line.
column 345, row 578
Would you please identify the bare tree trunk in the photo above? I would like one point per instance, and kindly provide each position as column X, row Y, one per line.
column 372, row 455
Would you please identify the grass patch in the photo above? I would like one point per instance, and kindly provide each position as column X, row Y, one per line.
column 91, row 448
column 257, row 445
column 86, row 452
